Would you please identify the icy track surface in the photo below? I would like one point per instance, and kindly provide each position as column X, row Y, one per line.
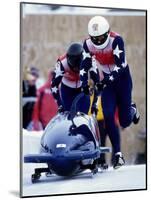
column 126, row 178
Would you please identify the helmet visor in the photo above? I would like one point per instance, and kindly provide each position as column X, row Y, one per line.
column 99, row 40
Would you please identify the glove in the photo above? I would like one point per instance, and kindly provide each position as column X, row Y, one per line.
column 86, row 90
column 60, row 109
column 100, row 86
column 94, row 109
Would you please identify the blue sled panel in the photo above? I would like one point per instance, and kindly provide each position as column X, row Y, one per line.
column 74, row 155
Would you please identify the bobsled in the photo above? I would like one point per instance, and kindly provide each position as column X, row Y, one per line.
column 70, row 144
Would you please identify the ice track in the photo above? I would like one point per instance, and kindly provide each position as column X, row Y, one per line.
column 126, row 178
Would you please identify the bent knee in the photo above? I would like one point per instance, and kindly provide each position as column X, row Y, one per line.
column 109, row 116
column 125, row 123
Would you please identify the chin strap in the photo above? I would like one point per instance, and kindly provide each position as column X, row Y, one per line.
column 102, row 46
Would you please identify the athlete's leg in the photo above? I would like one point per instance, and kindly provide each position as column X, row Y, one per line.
column 84, row 104
column 127, row 112
column 109, row 108
column 68, row 95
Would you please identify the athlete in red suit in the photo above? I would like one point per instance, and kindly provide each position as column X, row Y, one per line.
column 45, row 107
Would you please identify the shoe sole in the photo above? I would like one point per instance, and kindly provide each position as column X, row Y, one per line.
column 118, row 166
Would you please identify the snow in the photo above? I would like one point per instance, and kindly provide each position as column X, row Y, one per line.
column 130, row 177
column 125, row 178
column 31, row 141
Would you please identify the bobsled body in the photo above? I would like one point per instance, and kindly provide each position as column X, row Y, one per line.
column 66, row 143
column 60, row 132
column 69, row 146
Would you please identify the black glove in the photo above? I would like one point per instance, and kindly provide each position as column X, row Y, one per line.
column 86, row 90
column 100, row 86
column 60, row 109
column 94, row 109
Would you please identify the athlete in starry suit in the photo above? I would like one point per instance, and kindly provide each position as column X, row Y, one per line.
column 66, row 83
column 106, row 49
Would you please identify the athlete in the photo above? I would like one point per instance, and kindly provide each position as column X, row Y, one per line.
column 105, row 49
column 66, row 83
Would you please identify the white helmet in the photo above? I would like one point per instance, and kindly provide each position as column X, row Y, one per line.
column 99, row 29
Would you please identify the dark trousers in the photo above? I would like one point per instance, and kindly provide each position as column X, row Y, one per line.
column 68, row 95
column 117, row 95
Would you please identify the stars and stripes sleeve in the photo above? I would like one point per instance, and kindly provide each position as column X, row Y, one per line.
column 84, row 68
column 94, row 72
column 119, row 59
column 56, row 80
column 88, row 67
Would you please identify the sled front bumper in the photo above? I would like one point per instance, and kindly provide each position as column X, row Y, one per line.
column 72, row 155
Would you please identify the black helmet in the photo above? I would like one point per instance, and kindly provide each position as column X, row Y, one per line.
column 74, row 56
